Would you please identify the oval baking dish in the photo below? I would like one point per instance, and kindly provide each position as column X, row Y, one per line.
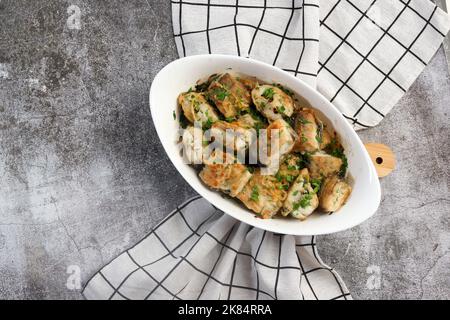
column 181, row 74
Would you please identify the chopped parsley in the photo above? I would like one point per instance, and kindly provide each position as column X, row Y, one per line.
column 255, row 194
column 196, row 105
column 268, row 94
column 281, row 109
column 304, row 139
column 208, row 123
column 283, row 187
column 279, row 177
column 319, row 137
column 174, row 115
column 316, row 185
column 230, row 119
column 335, row 149
column 292, row 168
column 220, row 93
column 304, row 202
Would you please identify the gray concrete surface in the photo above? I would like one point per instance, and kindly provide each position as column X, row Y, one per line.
column 83, row 175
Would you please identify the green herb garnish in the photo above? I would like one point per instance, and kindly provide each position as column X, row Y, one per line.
column 279, row 177
column 304, row 139
column 281, row 109
column 268, row 93
column 336, row 150
column 255, row 194
column 316, row 185
column 319, row 137
column 208, row 123
column 220, row 93
column 304, row 202
column 230, row 119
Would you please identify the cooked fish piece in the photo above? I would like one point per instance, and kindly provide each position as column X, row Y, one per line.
column 249, row 82
column 229, row 178
column 196, row 108
column 193, row 148
column 247, row 121
column 285, row 140
column 323, row 136
column 286, row 135
column 263, row 194
column 289, row 169
column 301, row 199
column 272, row 102
column 229, row 95
column 238, row 138
column 326, row 139
column 323, row 165
column 307, row 131
column 334, row 194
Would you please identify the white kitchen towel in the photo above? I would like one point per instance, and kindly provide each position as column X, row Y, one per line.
column 362, row 55
column 198, row 252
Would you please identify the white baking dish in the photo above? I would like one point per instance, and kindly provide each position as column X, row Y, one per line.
column 182, row 74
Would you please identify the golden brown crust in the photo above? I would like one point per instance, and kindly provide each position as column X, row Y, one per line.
column 289, row 168
column 324, row 165
column 272, row 102
column 306, row 128
column 334, row 194
column 263, row 194
column 286, row 135
column 238, row 138
column 301, row 200
column 229, row 95
column 326, row 139
column 196, row 108
column 293, row 189
column 229, row 178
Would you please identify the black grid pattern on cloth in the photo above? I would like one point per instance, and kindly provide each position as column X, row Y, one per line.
column 182, row 269
column 273, row 41
column 406, row 51
column 384, row 58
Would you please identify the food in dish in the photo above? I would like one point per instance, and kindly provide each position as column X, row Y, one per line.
column 305, row 173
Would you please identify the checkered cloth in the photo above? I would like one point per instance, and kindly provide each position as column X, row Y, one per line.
column 368, row 55
column 198, row 252
column 363, row 55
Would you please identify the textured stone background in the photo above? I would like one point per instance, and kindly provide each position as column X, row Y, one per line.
column 83, row 175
